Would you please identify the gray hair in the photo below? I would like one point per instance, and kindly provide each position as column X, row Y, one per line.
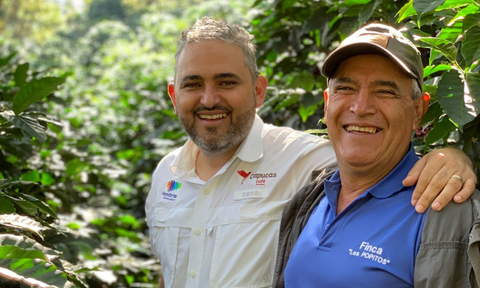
column 207, row 29
column 416, row 91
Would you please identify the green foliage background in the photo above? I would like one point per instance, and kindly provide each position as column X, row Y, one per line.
column 85, row 117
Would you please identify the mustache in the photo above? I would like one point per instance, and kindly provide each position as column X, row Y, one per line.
column 214, row 108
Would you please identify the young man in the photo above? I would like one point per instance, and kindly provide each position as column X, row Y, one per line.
column 362, row 231
column 215, row 204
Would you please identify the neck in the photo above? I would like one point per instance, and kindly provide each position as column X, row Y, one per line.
column 355, row 183
column 207, row 165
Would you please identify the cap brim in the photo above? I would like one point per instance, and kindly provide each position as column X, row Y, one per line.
column 343, row 53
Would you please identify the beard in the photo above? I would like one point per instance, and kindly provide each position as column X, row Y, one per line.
column 211, row 142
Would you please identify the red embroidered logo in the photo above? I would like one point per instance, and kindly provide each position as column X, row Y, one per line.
column 244, row 175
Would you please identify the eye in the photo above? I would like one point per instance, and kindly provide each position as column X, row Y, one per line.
column 386, row 93
column 343, row 89
column 191, row 85
column 227, row 83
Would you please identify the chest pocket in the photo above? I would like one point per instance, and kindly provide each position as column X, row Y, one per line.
column 251, row 253
column 169, row 235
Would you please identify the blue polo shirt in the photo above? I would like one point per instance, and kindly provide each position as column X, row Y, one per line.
column 372, row 243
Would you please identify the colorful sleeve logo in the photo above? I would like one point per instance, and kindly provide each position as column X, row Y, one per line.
column 173, row 185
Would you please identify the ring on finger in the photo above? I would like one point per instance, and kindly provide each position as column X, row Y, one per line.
column 458, row 177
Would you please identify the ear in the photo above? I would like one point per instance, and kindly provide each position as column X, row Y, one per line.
column 260, row 89
column 421, row 107
column 171, row 93
column 325, row 105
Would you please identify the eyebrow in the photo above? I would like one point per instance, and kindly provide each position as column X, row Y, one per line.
column 387, row 83
column 191, row 78
column 215, row 77
column 225, row 75
column 341, row 80
column 390, row 84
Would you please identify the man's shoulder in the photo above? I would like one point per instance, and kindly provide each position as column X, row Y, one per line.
column 278, row 134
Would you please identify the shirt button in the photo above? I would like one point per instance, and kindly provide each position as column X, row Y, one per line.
column 197, row 231
column 206, row 191
column 193, row 273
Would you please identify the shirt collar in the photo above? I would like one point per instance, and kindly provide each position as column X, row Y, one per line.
column 388, row 186
column 249, row 151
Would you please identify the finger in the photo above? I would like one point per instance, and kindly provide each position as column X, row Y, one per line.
column 453, row 186
column 414, row 173
column 439, row 183
column 430, row 183
column 467, row 190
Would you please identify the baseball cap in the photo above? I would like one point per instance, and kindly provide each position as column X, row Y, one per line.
column 378, row 39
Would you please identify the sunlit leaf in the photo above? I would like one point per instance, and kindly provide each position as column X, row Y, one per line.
column 47, row 179
column 471, row 46
column 449, row 4
column 429, row 70
column 473, row 84
column 446, row 47
column 450, row 95
column 32, row 176
column 12, row 252
column 470, row 9
column 34, row 91
column 406, row 11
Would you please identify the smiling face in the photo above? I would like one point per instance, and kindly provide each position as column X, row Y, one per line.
column 370, row 114
column 214, row 96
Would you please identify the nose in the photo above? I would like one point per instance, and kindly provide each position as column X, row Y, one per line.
column 363, row 103
column 210, row 96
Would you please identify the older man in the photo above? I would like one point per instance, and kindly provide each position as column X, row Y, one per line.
column 361, row 232
column 215, row 204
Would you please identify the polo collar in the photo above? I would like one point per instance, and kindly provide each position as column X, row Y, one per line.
column 389, row 185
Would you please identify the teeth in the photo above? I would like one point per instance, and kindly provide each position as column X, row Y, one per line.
column 213, row 117
column 370, row 130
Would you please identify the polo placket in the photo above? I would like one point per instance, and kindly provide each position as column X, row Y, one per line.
column 198, row 233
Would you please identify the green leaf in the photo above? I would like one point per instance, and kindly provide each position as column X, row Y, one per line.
column 439, row 131
column 305, row 80
column 47, row 179
column 306, row 112
column 470, row 21
column 6, row 60
column 367, row 11
column 471, row 46
column 6, row 205
column 12, row 252
column 75, row 166
column 425, row 6
column 429, row 70
column 39, row 204
column 473, row 84
column 356, row 2
column 21, row 74
column 32, row 176
column 446, row 47
column 450, row 95
column 406, row 11
column 470, row 9
column 449, row 4
column 30, row 126
column 35, row 91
